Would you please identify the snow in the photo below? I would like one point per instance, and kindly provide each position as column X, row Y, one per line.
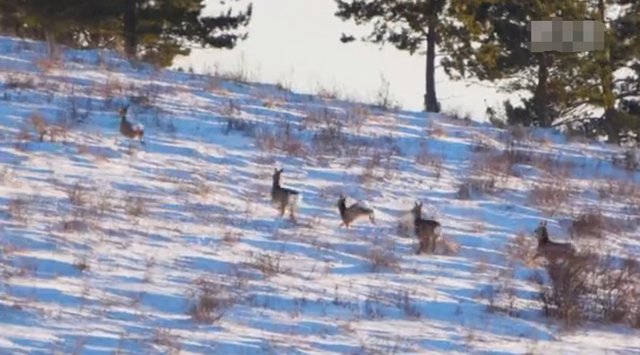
column 105, row 243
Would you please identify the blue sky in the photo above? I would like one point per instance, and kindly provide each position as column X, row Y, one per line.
column 297, row 41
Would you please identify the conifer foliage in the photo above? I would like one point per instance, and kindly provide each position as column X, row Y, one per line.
column 592, row 92
column 151, row 30
column 596, row 91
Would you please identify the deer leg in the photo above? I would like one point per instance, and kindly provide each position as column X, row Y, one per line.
column 372, row 219
column 292, row 215
column 282, row 208
column 432, row 247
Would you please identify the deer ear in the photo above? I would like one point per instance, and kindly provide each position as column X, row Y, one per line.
column 416, row 203
column 281, row 170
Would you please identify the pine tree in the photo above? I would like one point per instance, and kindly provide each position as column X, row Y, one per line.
column 74, row 23
column 161, row 29
column 156, row 31
column 620, row 56
column 10, row 21
column 488, row 40
column 409, row 25
column 48, row 20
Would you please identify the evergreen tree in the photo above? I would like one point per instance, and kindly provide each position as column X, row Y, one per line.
column 154, row 30
column 10, row 21
column 74, row 23
column 161, row 29
column 407, row 24
column 617, row 68
column 488, row 40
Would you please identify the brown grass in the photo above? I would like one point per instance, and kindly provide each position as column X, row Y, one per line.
column 589, row 223
column 619, row 189
column 382, row 258
column 135, row 206
column 427, row 158
column 19, row 208
column 522, row 248
column 211, row 299
column 20, row 81
column 551, row 197
column 590, row 287
column 267, row 264
column 476, row 186
column 77, row 194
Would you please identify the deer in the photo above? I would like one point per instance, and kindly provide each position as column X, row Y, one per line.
column 426, row 230
column 550, row 249
column 284, row 198
column 353, row 212
column 130, row 130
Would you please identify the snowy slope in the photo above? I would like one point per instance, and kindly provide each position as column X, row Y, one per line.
column 174, row 247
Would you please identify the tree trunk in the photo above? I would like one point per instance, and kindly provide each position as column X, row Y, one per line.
column 51, row 43
column 606, row 83
column 430, row 99
column 540, row 97
column 130, row 29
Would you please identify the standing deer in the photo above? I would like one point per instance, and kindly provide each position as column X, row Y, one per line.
column 426, row 230
column 283, row 197
column 130, row 130
column 353, row 212
column 550, row 249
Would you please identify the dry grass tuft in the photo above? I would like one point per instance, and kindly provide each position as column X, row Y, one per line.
column 77, row 194
column 591, row 288
column 135, row 206
column 590, row 223
column 427, row 158
column 211, row 299
column 551, row 197
column 522, row 248
column 476, row 186
column 19, row 208
column 382, row 258
column 267, row 264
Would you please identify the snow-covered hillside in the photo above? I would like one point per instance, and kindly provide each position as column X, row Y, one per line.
column 108, row 246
